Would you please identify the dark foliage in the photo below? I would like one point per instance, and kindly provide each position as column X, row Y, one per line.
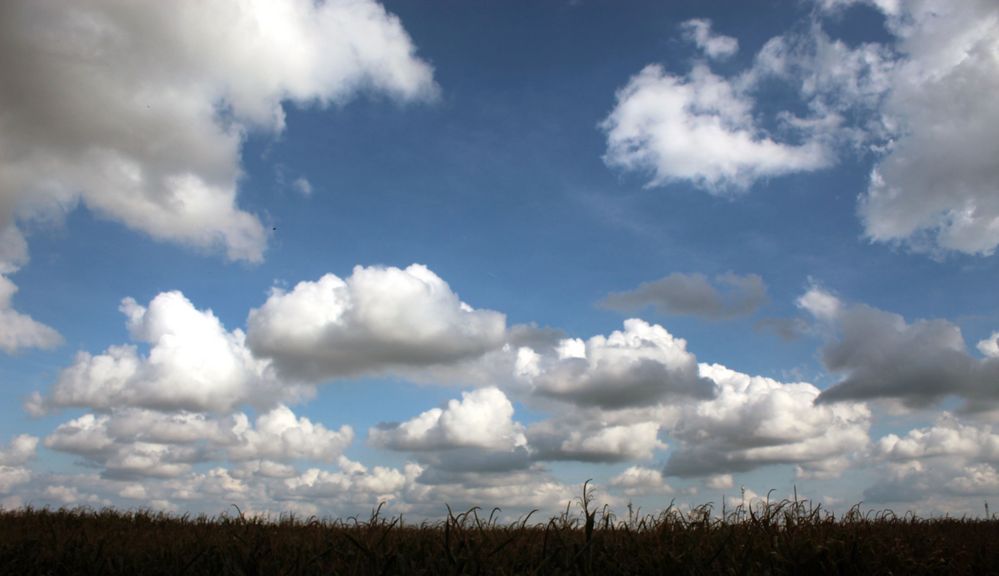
column 786, row 537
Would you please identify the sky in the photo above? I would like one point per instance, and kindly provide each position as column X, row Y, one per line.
column 308, row 257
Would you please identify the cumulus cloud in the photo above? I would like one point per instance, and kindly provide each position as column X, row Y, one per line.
column 376, row 320
column 940, row 464
column 698, row 128
column 938, row 186
column 140, row 110
column 883, row 356
column 641, row 365
column 714, row 46
column 755, row 421
column 193, row 363
column 693, row 294
column 481, row 419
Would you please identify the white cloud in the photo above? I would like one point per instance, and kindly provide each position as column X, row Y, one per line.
column 19, row 331
column 820, row 303
column 193, row 363
column 481, row 419
column 577, row 437
column 938, row 186
column 375, row 321
column 639, row 481
column 754, row 421
column 19, row 451
column 279, row 435
column 132, row 442
column 714, row 46
column 940, row 465
column 947, row 437
column 720, row 482
column 698, row 128
column 641, row 365
column 11, row 476
column 302, row 186
column 990, row 346
column 140, row 109
column 693, row 294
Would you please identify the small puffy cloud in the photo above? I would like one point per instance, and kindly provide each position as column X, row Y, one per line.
column 641, row 365
column 302, row 186
column 481, row 419
column 938, row 186
column 140, row 109
column 755, row 421
column 990, row 346
column 693, row 294
column 699, row 128
column 193, row 363
column 820, row 303
column 639, row 481
column 585, row 441
column 714, row 46
column 375, row 321
column 20, row 331
column 883, row 356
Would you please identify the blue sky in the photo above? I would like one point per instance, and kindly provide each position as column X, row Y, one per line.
column 312, row 256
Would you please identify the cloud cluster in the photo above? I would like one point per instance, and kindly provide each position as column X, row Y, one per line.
column 137, row 443
column 755, row 421
column 947, row 460
column 693, row 294
column 375, row 320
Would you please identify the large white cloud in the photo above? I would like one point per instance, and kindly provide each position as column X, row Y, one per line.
column 140, row 109
column 699, row 128
column 639, row 366
column 938, row 187
column 756, row 421
column 377, row 320
column 193, row 363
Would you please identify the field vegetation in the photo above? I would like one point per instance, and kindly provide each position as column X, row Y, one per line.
column 780, row 537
